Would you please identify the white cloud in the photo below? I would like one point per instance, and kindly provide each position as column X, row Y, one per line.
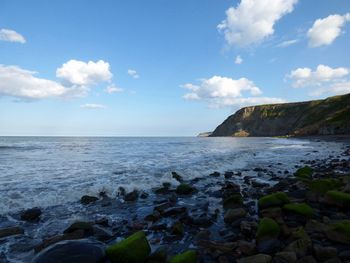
column 113, row 89
column 11, row 36
column 222, row 91
column 238, row 60
column 288, row 43
column 93, row 106
column 133, row 73
column 253, row 20
column 82, row 73
column 21, row 83
column 339, row 88
column 325, row 31
column 303, row 77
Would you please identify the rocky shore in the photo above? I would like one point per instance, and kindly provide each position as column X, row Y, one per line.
column 299, row 215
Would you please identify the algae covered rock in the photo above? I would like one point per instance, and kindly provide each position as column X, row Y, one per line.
column 185, row 189
column 322, row 186
column 267, row 229
column 339, row 232
column 304, row 172
column 233, row 214
column 275, row 199
column 338, row 198
column 300, row 209
column 189, row 256
column 134, row 249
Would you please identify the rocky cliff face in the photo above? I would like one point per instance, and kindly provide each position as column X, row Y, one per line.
column 320, row 117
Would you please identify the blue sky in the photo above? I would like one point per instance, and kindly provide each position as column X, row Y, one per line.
column 163, row 68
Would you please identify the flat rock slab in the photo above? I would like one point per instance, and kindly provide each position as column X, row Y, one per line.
column 77, row 251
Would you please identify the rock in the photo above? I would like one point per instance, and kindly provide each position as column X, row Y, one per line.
column 215, row 174
column 338, row 198
column 307, row 259
column 272, row 212
column 31, row 215
column 132, row 196
column 177, row 229
column 246, row 248
column 144, row 195
column 276, row 199
column 233, row 201
column 134, row 249
column 158, row 256
column 174, row 211
column 285, row 257
column 233, row 214
column 189, row 256
column 339, row 232
column 228, row 174
column 321, row 186
column 185, row 189
column 324, row 253
column 11, row 231
column 177, row 177
column 300, row 247
column 304, row 172
column 87, row 199
column 269, row 246
column 267, row 229
column 101, row 234
column 259, row 258
column 300, row 209
column 345, row 255
column 85, row 227
column 248, row 229
column 82, row 251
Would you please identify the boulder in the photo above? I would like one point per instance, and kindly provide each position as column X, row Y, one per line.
column 285, row 257
column 324, row 253
column 189, row 256
column 87, row 199
column 132, row 196
column 185, row 189
column 338, row 198
column 77, row 251
column 233, row 201
column 272, row 200
column 31, row 215
column 177, row 177
column 304, row 173
column 85, row 227
column 177, row 229
column 267, row 229
column 339, row 232
column 259, row 258
column 233, row 214
column 299, row 209
column 134, row 249
column 11, row 231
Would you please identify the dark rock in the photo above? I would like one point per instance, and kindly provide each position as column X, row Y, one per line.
column 185, row 189
column 246, row 248
column 177, row 229
column 215, row 174
column 87, row 199
column 82, row 251
column 31, row 215
column 269, row 246
column 11, row 231
column 228, row 175
column 177, row 177
column 324, row 253
column 233, row 214
column 174, row 211
column 132, row 196
column 86, row 227
column 144, row 195
column 233, row 201
column 259, row 258
column 285, row 257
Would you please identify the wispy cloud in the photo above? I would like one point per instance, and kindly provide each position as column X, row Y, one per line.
column 288, row 43
column 93, row 106
column 133, row 73
column 11, row 36
column 238, row 60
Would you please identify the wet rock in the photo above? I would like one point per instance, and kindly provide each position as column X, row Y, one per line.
column 215, row 174
column 285, row 257
column 158, row 256
column 82, row 251
column 339, row 232
column 203, row 235
column 246, row 248
column 177, row 229
column 132, row 196
column 228, row 175
column 269, row 246
column 259, row 258
column 101, row 234
column 31, row 215
column 174, row 211
column 177, row 177
column 267, row 229
column 248, row 229
column 307, row 259
column 158, row 227
column 134, row 249
column 304, row 172
column 324, row 253
column 153, row 217
column 87, row 199
column 233, row 201
column 189, row 256
column 11, row 231
column 144, row 195
column 300, row 247
column 185, row 189
column 85, row 227
column 299, row 209
column 233, row 214
column 272, row 200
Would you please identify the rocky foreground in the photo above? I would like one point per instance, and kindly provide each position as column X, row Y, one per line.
column 297, row 216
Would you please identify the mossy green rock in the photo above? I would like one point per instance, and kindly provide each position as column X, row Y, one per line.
column 185, row 189
column 134, row 249
column 322, row 186
column 338, row 198
column 267, row 228
column 339, row 232
column 233, row 201
column 300, row 209
column 276, row 199
column 304, row 172
column 189, row 256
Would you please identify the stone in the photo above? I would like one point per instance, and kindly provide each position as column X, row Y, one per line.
column 324, row 253
column 189, row 256
column 246, row 248
column 132, row 196
column 134, row 249
column 272, row 200
column 77, row 251
column 285, row 257
column 177, row 229
column 233, row 201
column 267, row 229
column 177, row 177
column 299, row 209
column 338, row 198
column 259, row 258
column 11, row 231
column 269, row 246
column 31, row 215
column 339, row 232
column 304, row 172
column 174, row 211
column 85, row 227
column 87, row 199
column 233, row 214
column 185, row 189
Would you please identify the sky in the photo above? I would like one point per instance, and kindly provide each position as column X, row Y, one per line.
column 163, row 68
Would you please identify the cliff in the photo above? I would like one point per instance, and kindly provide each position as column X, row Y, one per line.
column 330, row 116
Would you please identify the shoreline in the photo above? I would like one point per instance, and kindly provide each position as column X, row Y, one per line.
column 227, row 229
